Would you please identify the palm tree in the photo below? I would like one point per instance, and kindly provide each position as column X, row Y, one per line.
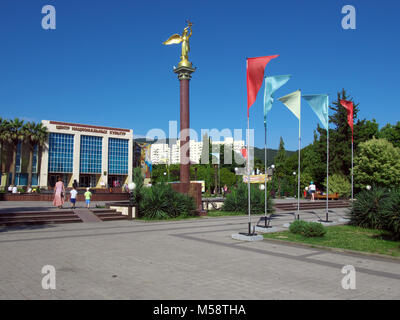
column 2, row 129
column 35, row 134
column 13, row 134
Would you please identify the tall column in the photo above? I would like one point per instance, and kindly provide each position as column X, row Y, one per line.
column 76, row 160
column 184, row 76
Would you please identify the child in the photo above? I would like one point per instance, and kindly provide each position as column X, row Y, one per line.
column 88, row 196
column 73, row 193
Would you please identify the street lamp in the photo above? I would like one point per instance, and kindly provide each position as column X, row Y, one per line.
column 131, row 187
column 294, row 174
column 368, row 187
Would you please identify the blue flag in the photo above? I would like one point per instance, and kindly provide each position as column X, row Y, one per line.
column 271, row 85
column 319, row 103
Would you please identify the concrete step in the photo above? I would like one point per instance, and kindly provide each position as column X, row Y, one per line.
column 103, row 210
column 32, row 222
column 42, row 213
column 115, row 217
column 38, row 217
column 110, row 215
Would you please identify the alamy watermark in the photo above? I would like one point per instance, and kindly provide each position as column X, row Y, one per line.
column 349, row 20
column 49, row 280
column 49, row 20
column 349, row 280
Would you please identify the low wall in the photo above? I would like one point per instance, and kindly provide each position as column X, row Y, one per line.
column 49, row 197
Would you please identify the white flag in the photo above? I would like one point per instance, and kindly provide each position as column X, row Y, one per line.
column 293, row 102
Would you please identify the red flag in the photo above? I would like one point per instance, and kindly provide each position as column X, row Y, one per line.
column 244, row 153
column 255, row 76
column 348, row 105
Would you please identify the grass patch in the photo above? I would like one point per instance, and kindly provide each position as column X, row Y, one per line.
column 347, row 237
column 168, row 219
column 217, row 213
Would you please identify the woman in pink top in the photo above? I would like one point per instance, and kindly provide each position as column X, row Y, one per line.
column 59, row 192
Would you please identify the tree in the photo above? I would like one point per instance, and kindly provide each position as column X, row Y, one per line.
column 339, row 184
column 227, row 177
column 13, row 134
column 391, row 133
column 280, row 165
column 35, row 134
column 377, row 163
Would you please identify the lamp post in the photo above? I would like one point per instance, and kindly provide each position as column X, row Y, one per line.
column 294, row 174
column 131, row 187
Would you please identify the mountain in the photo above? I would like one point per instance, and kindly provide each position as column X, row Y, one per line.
column 271, row 153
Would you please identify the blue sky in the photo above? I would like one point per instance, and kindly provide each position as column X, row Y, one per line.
column 105, row 63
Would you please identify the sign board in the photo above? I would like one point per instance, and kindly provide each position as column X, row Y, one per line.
column 255, row 178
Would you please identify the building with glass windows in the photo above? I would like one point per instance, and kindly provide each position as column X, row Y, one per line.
column 94, row 156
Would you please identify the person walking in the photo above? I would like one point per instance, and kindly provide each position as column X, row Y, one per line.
column 75, row 184
column 59, row 193
column 88, row 196
column 73, row 193
column 312, row 189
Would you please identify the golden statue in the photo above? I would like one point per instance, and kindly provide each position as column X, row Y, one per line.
column 184, row 38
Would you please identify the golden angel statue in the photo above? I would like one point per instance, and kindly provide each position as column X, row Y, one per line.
column 184, row 38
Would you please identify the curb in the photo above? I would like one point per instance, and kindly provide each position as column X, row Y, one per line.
column 336, row 250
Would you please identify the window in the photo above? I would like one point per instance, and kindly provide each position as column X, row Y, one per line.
column 61, row 151
column 117, row 156
column 91, row 154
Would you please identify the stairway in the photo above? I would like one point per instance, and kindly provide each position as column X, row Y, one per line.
column 38, row 217
column 312, row 205
column 109, row 214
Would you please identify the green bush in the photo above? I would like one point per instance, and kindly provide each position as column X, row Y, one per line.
column 390, row 213
column 298, row 226
column 307, row 229
column 237, row 200
column 161, row 202
column 366, row 211
column 339, row 184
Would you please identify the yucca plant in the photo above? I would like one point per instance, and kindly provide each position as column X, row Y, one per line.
column 162, row 202
column 366, row 211
column 390, row 213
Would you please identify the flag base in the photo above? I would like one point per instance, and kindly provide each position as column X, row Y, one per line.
column 267, row 229
column 247, row 237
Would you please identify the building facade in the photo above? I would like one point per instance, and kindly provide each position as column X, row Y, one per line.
column 162, row 153
column 93, row 156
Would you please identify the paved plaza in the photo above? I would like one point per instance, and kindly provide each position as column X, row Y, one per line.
column 188, row 259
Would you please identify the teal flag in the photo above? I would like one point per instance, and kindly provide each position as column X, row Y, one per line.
column 271, row 85
column 319, row 103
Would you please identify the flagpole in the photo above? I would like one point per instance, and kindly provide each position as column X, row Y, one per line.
column 352, row 174
column 327, row 173
column 265, row 174
column 298, row 183
column 248, row 170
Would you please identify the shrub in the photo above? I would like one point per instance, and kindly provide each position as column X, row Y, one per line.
column 237, row 200
column 339, row 184
column 390, row 213
column 298, row 226
column 366, row 210
column 161, row 202
column 377, row 162
column 307, row 229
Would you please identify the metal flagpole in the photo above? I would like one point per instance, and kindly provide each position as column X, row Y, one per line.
column 248, row 170
column 327, row 173
column 352, row 153
column 265, row 174
column 298, row 184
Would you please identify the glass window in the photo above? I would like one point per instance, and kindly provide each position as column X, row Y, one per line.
column 18, row 160
column 118, row 156
column 34, row 160
column 91, row 154
column 61, row 152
